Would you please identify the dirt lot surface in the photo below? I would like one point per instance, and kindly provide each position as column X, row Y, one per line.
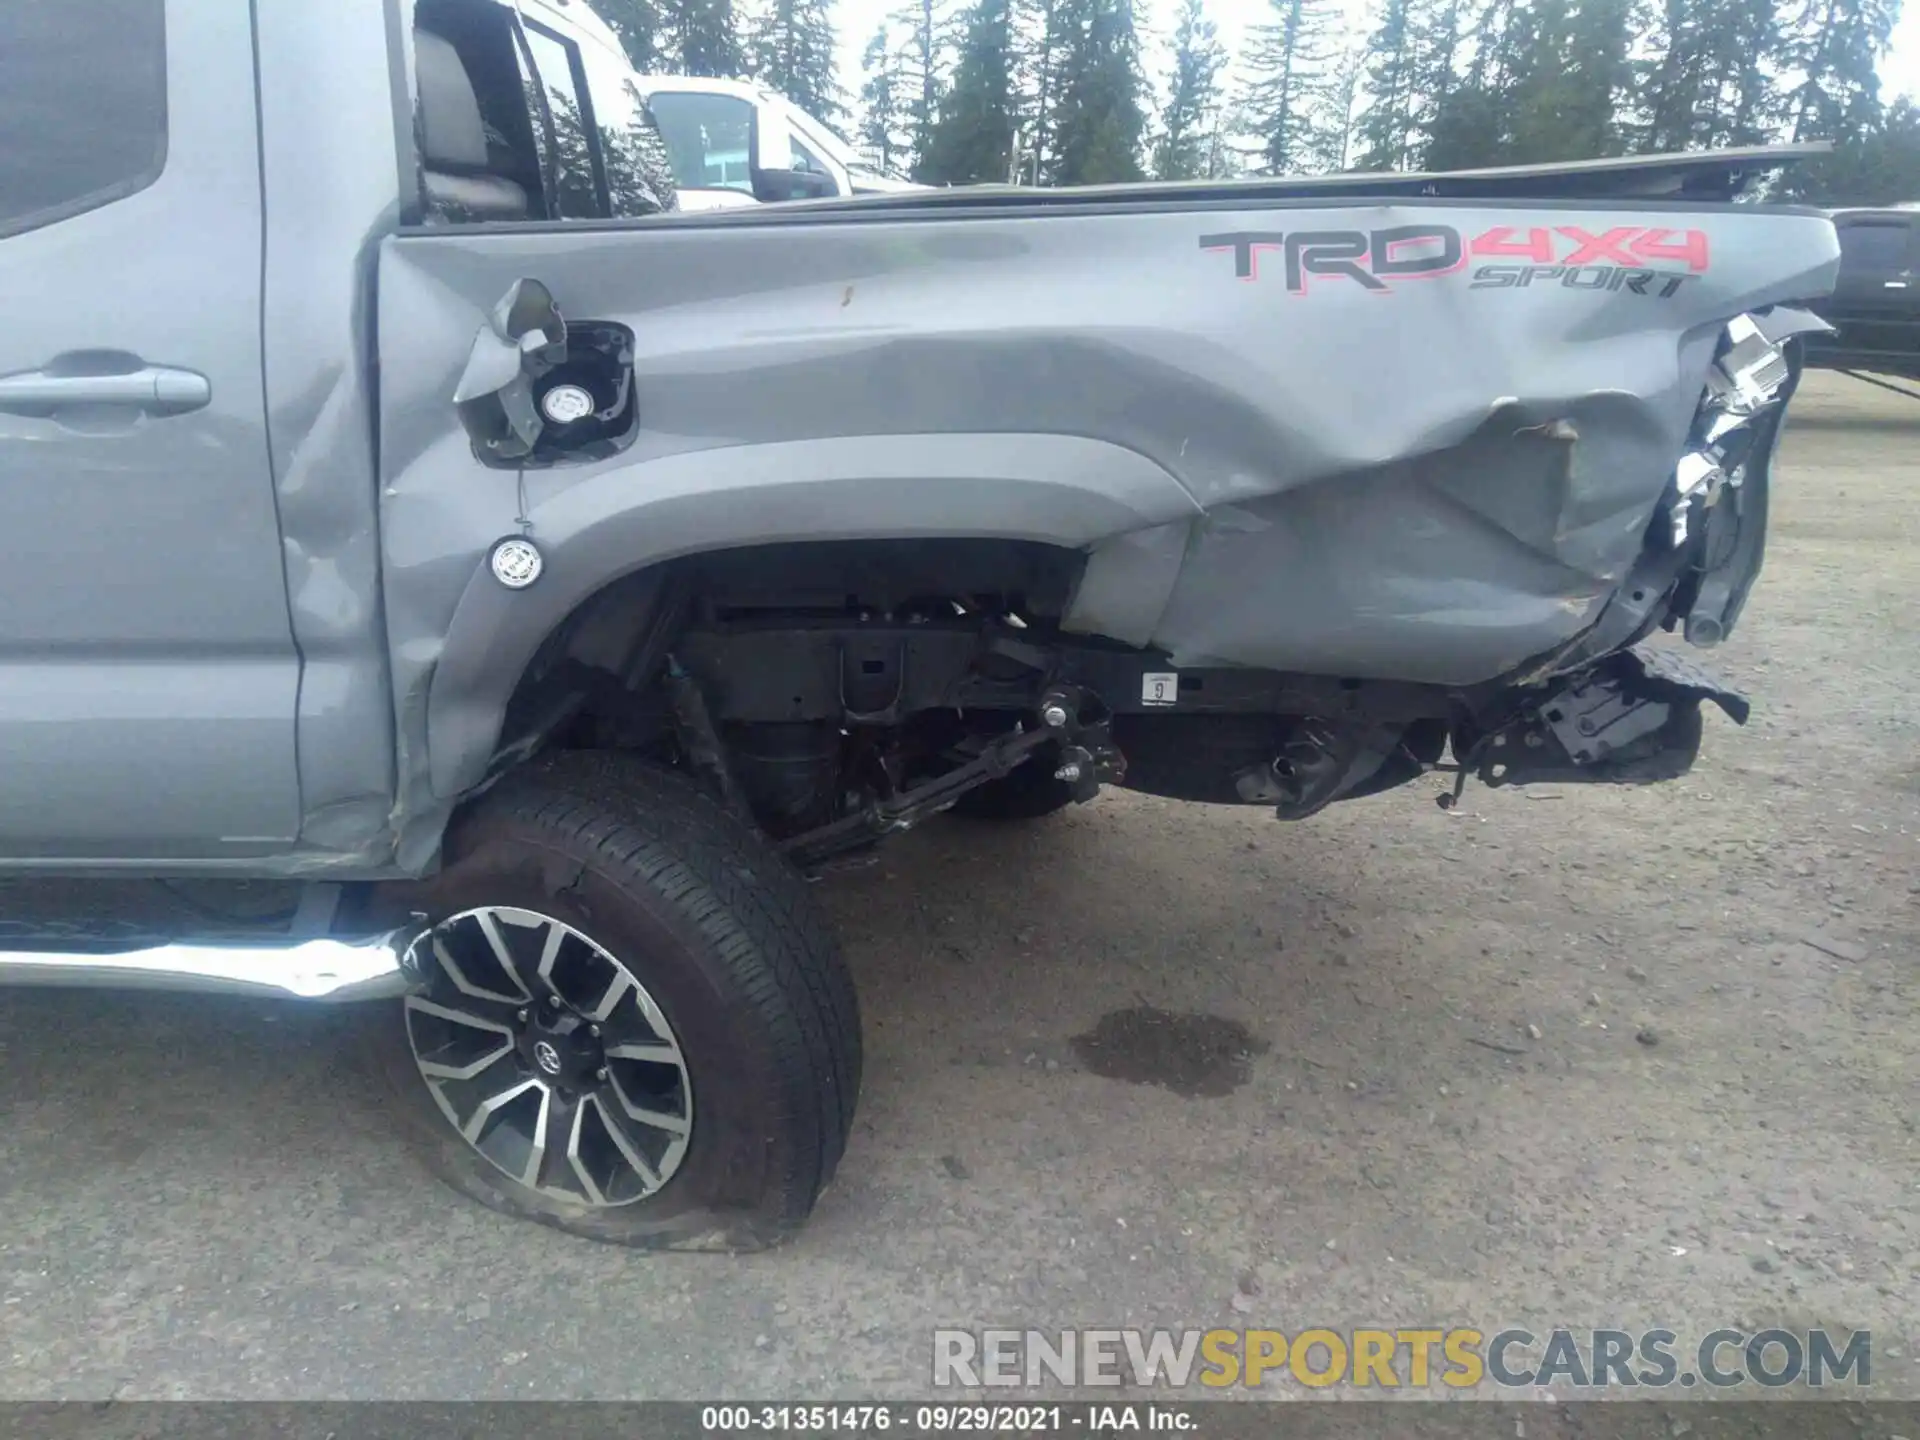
column 1588, row 1057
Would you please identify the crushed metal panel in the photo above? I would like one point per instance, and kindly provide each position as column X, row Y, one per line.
column 1414, row 439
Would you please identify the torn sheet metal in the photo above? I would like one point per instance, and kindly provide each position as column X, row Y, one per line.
column 1421, row 441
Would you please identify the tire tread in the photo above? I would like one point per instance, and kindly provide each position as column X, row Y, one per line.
column 646, row 828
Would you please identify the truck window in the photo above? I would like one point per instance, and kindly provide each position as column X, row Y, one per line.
column 473, row 126
column 558, row 73
column 805, row 159
column 639, row 179
column 520, row 121
column 83, row 106
column 1873, row 245
column 817, row 147
column 707, row 138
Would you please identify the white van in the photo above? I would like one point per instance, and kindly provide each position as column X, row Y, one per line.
column 734, row 142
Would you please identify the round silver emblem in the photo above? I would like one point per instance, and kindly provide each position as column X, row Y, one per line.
column 564, row 404
column 547, row 1056
column 516, row 563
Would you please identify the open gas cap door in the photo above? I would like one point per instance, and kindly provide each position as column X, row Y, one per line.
column 539, row 391
column 524, row 339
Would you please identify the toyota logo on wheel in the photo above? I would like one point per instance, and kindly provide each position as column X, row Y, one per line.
column 547, row 1056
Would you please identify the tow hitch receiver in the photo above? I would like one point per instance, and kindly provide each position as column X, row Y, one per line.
column 1633, row 719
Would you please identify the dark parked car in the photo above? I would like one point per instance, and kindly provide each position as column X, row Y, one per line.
column 1875, row 307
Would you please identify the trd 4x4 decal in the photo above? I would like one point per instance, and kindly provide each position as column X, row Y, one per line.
column 1641, row 260
column 1370, row 258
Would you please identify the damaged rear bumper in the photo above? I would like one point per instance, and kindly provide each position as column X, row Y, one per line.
column 1632, row 719
column 1606, row 709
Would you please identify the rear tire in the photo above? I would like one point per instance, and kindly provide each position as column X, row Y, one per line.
column 734, row 1022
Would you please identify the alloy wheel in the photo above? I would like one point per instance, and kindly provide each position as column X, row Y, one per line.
column 549, row 1056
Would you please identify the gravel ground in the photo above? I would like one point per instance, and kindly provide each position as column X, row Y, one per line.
column 1601, row 1057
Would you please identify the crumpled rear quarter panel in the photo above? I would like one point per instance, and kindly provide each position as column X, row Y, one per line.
column 1426, row 480
column 1436, row 480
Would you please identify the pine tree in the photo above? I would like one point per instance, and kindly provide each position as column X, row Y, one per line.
column 1468, row 130
column 1036, row 37
column 1600, row 78
column 1343, row 104
column 1472, row 123
column 1189, row 124
column 1386, row 130
column 1673, row 77
column 972, row 140
column 1537, row 89
column 792, row 50
column 883, row 110
column 1710, row 78
column 1497, row 34
column 1570, row 77
column 1746, row 56
column 1223, row 162
column 1060, row 28
column 1878, row 167
column 638, row 24
column 1834, row 46
column 1096, row 137
column 921, row 61
column 700, row 37
column 1288, row 60
column 1438, row 40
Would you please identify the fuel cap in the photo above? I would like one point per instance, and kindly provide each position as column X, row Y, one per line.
column 564, row 404
column 516, row 562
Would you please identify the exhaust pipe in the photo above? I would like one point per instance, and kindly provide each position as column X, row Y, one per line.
column 333, row 970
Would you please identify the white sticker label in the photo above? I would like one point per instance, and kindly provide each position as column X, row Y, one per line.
column 1159, row 689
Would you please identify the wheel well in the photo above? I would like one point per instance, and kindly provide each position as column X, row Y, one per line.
column 838, row 692
column 605, row 655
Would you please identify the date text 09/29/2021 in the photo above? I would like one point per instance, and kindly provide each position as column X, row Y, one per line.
column 944, row 1419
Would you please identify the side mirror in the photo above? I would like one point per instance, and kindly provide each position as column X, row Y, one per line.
column 774, row 185
column 771, row 153
column 769, row 141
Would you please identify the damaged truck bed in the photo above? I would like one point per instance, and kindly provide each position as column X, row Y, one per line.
column 1370, row 453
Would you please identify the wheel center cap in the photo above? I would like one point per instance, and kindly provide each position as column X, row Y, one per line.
column 561, row 1048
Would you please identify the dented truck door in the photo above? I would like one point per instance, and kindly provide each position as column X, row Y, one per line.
column 148, row 675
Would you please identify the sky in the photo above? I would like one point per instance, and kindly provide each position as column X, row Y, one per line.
column 857, row 20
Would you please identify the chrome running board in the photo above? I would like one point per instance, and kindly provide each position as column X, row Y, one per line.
column 365, row 968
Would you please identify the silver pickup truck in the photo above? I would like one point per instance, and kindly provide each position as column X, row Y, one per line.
column 411, row 518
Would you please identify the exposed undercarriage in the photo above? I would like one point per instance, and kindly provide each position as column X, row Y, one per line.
column 834, row 726
column 838, row 692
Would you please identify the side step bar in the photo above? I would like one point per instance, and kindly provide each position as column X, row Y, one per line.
column 334, row 970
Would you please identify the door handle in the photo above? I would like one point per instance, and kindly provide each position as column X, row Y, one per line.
column 152, row 389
